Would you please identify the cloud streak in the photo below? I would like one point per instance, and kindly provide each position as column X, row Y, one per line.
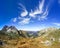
column 15, row 19
column 25, row 21
column 24, row 12
column 44, row 15
column 57, row 24
column 59, row 1
column 40, row 13
column 38, row 10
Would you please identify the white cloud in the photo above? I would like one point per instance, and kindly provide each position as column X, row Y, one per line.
column 59, row 1
column 15, row 19
column 57, row 24
column 24, row 12
column 25, row 21
column 41, row 5
column 45, row 14
column 38, row 10
column 40, row 13
column 31, row 14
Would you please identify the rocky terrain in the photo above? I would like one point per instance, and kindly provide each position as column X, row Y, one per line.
column 11, row 37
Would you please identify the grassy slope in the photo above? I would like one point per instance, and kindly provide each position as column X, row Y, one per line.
column 32, row 43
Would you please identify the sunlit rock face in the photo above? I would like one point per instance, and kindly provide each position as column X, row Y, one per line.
column 47, row 43
column 59, row 39
column 5, row 28
column 47, row 31
column 9, row 29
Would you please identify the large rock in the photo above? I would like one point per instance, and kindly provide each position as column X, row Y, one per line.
column 1, row 42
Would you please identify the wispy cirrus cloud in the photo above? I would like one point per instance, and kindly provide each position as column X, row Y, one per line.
column 44, row 15
column 40, row 13
column 59, row 1
column 24, row 21
column 38, row 9
column 24, row 11
column 57, row 24
column 14, row 19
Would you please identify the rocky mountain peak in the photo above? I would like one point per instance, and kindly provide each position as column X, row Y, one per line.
column 5, row 28
column 9, row 28
column 12, row 28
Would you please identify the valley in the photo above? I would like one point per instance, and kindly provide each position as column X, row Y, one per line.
column 10, row 37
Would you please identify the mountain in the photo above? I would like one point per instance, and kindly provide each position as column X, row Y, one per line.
column 5, row 28
column 28, row 34
column 12, row 30
column 9, row 29
column 46, row 31
column 45, row 38
column 49, row 38
column 32, row 34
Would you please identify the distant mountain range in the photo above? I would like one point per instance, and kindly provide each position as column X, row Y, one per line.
column 32, row 34
column 12, row 29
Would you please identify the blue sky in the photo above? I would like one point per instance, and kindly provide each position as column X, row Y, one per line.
column 30, row 14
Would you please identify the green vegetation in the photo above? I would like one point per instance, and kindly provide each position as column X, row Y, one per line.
column 46, row 38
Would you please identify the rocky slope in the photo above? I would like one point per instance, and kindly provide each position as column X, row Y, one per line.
column 46, row 38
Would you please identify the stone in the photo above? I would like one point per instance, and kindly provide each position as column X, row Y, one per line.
column 1, row 42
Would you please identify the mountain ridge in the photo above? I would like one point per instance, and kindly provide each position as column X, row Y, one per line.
column 46, row 38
